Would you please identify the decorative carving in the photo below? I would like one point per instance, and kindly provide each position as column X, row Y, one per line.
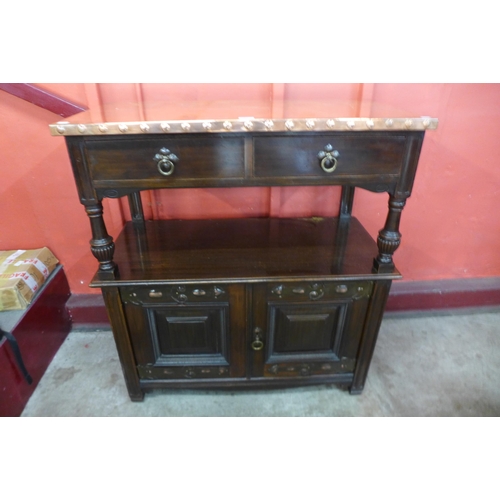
column 103, row 252
column 258, row 125
column 388, row 242
column 317, row 292
column 389, row 238
column 178, row 293
column 278, row 290
column 101, row 244
column 111, row 193
column 362, row 291
column 305, row 370
column 310, row 124
column 181, row 294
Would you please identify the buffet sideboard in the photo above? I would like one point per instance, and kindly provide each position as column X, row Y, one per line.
column 251, row 302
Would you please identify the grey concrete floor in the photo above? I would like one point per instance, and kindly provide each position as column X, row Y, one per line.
column 441, row 364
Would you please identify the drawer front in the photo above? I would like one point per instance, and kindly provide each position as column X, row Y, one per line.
column 347, row 155
column 195, row 158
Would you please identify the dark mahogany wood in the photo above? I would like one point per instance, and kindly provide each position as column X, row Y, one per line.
column 376, row 155
column 88, row 310
column 132, row 162
column 370, row 334
column 243, row 249
column 244, row 302
column 42, row 98
column 123, row 343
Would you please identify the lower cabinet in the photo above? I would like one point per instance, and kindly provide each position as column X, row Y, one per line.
column 237, row 333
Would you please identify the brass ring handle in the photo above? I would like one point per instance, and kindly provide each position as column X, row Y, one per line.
column 257, row 345
column 166, row 161
column 326, row 160
column 166, row 167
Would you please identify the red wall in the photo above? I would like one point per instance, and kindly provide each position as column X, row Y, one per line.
column 449, row 226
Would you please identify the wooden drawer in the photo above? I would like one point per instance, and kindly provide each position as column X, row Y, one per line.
column 199, row 158
column 358, row 155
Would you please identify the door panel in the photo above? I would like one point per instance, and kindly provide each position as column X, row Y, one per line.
column 298, row 330
column 180, row 332
column 310, row 328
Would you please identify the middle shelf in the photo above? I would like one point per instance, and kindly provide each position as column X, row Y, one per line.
column 244, row 250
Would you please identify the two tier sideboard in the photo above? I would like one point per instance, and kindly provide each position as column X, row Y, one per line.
column 248, row 302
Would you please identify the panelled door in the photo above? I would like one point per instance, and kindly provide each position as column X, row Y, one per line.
column 307, row 328
column 186, row 331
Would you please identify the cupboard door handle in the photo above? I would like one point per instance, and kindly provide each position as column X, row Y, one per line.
column 257, row 344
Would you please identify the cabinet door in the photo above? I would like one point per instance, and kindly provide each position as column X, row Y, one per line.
column 180, row 332
column 303, row 329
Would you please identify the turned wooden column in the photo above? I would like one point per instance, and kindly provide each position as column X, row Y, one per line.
column 101, row 244
column 389, row 238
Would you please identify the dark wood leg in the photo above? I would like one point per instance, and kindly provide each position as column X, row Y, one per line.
column 340, row 244
column 136, row 211
column 116, row 315
column 370, row 334
column 101, row 244
column 389, row 238
column 346, row 201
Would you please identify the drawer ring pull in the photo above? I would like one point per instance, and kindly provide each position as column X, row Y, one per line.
column 166, row 161
column 328, row 159
column 326, row 162
column 166, row 167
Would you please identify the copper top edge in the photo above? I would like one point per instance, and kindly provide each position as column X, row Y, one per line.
column 249, row 124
